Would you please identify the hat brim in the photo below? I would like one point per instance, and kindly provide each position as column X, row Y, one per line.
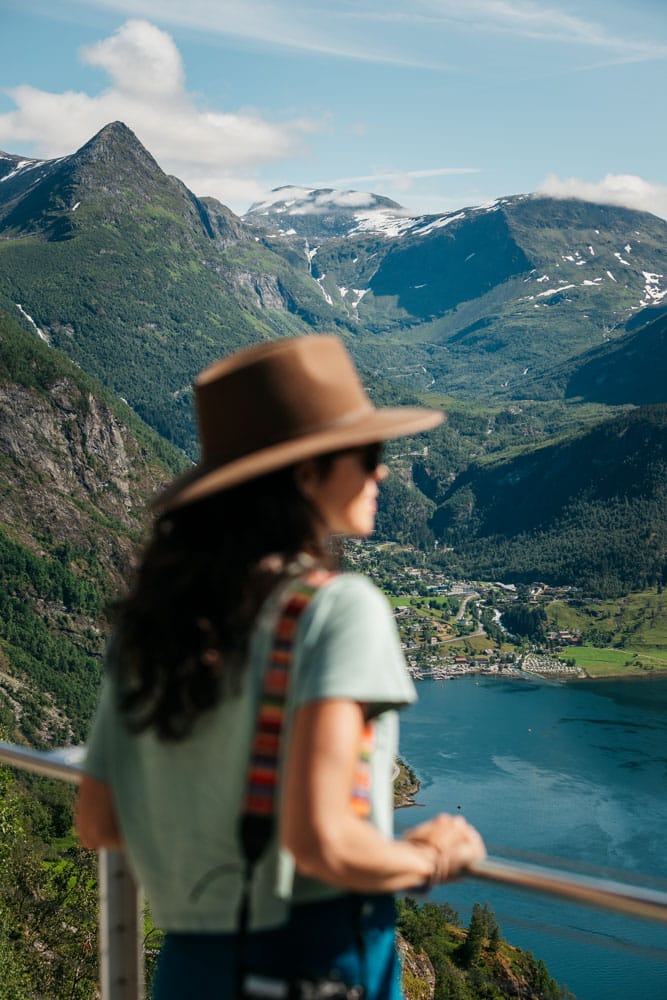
column 377, row 425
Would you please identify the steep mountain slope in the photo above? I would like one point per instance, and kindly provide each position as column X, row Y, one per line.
column 589, row 510
column 629, row 370
column 142, row 283
column 136, row 279
column 76, row 469
column 479, row 300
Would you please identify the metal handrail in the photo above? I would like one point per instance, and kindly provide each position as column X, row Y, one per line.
column 63, row 764
column 605, row 894
column 121, row 956
column 121, row 964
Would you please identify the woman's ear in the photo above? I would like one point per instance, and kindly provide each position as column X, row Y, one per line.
column 306, row 477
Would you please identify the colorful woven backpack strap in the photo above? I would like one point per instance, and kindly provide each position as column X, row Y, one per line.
column 256, row 821
column 262, row 779
column 361, row 791
column 258, row 808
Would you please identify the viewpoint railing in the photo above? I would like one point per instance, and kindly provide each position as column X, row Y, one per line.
column 121, row 960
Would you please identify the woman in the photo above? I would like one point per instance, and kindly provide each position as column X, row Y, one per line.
column 290, row 457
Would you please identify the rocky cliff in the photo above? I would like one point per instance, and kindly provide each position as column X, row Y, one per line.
column 76, row 470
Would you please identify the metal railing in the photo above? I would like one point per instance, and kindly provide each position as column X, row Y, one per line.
column 121, row 955
column 121, row 964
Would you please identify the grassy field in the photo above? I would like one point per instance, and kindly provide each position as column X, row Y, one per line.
column 615, row 662
column 632, row 631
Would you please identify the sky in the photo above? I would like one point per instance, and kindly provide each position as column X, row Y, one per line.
column 437, row 104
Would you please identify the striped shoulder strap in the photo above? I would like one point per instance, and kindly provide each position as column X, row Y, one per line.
column 262, row 777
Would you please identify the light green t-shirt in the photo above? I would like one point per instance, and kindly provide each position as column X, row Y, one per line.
column 178, row 803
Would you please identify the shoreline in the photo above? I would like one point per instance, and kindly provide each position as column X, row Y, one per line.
column 562, row 678
column 648, row 675
column 406, row 785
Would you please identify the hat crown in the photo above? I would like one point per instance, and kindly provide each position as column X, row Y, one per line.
column 276, row 392
column 273, row 405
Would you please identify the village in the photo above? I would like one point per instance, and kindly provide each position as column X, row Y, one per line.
column 450, row 628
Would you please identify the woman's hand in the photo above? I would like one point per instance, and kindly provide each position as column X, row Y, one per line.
column 456, row 843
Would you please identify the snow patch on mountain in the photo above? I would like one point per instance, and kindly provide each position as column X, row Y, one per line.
column 553, row 291
column 40, row 332
column 20, row 167
column 652, row 291
column 439, row 223
column 323, row 289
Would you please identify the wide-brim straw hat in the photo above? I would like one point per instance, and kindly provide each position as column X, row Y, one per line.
column 276, row 404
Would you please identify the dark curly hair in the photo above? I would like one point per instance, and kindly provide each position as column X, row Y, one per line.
column 182, row 631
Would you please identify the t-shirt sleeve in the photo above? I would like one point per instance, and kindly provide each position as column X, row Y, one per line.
column 97, row 759
column 349, row 648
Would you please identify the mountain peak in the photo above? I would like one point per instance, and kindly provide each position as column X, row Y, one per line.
column 322, row 212
column 115, row 143
column 112, row 169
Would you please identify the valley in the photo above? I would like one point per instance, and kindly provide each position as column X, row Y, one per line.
column 451, row 628
column 526, row 537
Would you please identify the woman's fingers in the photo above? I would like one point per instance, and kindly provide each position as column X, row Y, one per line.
column 457, row 843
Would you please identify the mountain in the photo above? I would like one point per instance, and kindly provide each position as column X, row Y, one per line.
column 141, row 283
column 627, row 369
column 77, row 467
column 323, row 213
column 589, row 509
column 479, row 300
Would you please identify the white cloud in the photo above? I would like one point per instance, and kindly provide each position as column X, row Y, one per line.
column 141, row 60
column 204, row 148
column 345, row 199
column 403, row 177
column 552, row 22
column 626, row 190
column 390, row 30
column 317, row 27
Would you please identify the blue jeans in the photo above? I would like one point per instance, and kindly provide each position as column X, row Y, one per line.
column 352, row 935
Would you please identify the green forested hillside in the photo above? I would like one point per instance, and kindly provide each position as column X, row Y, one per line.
column 48, row 894
column 471, row 963
column 629, row 370
column 141, row 283
column 590, row 510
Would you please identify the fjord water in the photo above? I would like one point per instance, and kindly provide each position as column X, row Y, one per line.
column 576, row 772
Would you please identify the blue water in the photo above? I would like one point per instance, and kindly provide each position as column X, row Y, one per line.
column 576, row 772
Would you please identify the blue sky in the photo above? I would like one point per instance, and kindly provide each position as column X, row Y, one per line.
column 438, row 104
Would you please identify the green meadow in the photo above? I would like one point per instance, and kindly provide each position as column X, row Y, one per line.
column 624, row 636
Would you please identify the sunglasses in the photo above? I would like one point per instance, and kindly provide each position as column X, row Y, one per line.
column 370, row 456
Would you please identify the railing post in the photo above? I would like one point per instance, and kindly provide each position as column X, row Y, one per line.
column 121, row 953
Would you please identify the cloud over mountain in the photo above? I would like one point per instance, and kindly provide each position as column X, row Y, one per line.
column 626, row 190
column 214, row 152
